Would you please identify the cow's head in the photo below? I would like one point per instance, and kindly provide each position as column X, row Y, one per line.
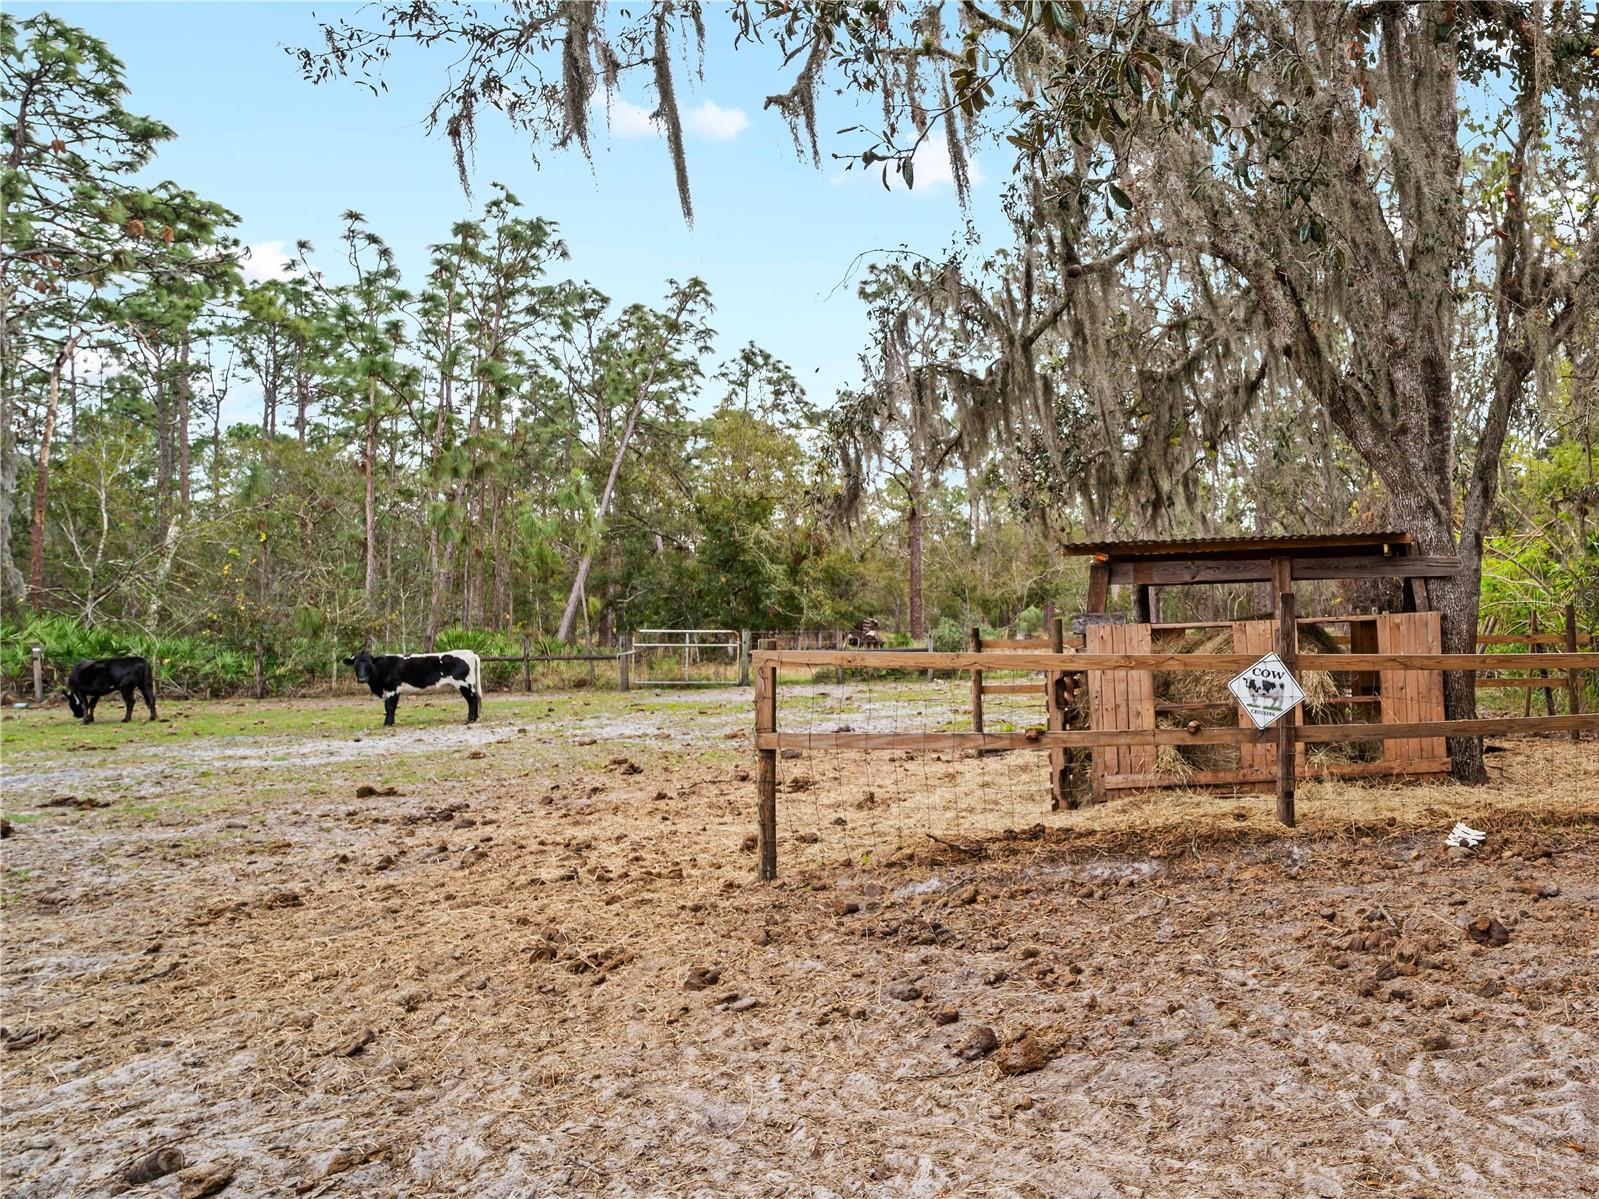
column 362, row 664
column 74, row 703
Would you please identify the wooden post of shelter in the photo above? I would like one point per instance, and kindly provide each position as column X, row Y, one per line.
column 1098, row 584
column 766, row 767
column 1060, row 795
column 38, row 674
column 1571, row 675
column 1288, row 651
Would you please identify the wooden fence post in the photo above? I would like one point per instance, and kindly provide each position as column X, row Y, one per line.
column 624, row 661
column 977, row 687
column 260, row 669
column 1288, row 651
column 744, row 658
column 766, row 768
column 38, row 674
column 1571, row 675
column 1060, row 795
column 1548, row 692
column 1532, row 648
column 838, row 644
column 527, row 663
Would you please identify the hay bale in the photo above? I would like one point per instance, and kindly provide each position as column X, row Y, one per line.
column 1169, row 759
column 1197, row 686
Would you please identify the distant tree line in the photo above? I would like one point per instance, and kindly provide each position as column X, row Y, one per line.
column 1206, row 321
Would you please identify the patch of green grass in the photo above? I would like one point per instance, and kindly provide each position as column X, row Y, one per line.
column 54, row 729
column 194, row 779
column 12, row 879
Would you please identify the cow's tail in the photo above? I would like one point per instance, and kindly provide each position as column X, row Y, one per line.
column 477, row 675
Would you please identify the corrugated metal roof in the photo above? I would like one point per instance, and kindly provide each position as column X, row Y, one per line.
column 1265, row 546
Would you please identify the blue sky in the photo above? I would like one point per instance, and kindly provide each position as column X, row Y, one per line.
column 774, row 237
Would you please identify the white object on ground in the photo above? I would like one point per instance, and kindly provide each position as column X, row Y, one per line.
column 1464, row 835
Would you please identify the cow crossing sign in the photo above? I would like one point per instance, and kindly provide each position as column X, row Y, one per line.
column 1267, row 691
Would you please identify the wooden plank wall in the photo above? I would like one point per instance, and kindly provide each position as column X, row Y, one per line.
column 1411, row 696
column 1259, row 638
column 1120, row 699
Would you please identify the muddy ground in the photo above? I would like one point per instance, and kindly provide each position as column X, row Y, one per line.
column 543, row 967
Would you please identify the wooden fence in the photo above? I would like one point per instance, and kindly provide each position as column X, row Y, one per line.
column 1059, row 667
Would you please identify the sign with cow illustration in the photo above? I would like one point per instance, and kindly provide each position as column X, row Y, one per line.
column 1267, row 691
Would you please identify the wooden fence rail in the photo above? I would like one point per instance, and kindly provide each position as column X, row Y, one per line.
column 866, row 659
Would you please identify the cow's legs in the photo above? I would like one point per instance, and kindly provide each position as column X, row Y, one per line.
column 88, row 708
column 149, row 699
column 472, row 701
column 390, row 702
column 127, row 699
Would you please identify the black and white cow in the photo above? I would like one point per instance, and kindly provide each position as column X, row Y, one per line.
column 94, row 677
column 394, row 675
column 1269, row 690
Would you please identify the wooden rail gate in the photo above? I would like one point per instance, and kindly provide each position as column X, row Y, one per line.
column 1412, row 722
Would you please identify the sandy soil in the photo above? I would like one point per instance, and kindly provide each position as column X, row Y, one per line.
column 548, row 971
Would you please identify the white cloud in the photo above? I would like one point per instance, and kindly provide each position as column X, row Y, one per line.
column 266, row 260
column 708, row 121
column 629, row 120
column 92, row 364
column 930, row 168
column 714, row 123
column 933, row 167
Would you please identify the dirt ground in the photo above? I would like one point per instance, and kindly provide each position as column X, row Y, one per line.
column 543, row 966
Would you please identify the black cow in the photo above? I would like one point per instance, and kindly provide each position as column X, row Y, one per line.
column 393, row 675
column 92, row 678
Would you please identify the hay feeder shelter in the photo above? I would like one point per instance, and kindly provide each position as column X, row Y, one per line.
column 1127, row 700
